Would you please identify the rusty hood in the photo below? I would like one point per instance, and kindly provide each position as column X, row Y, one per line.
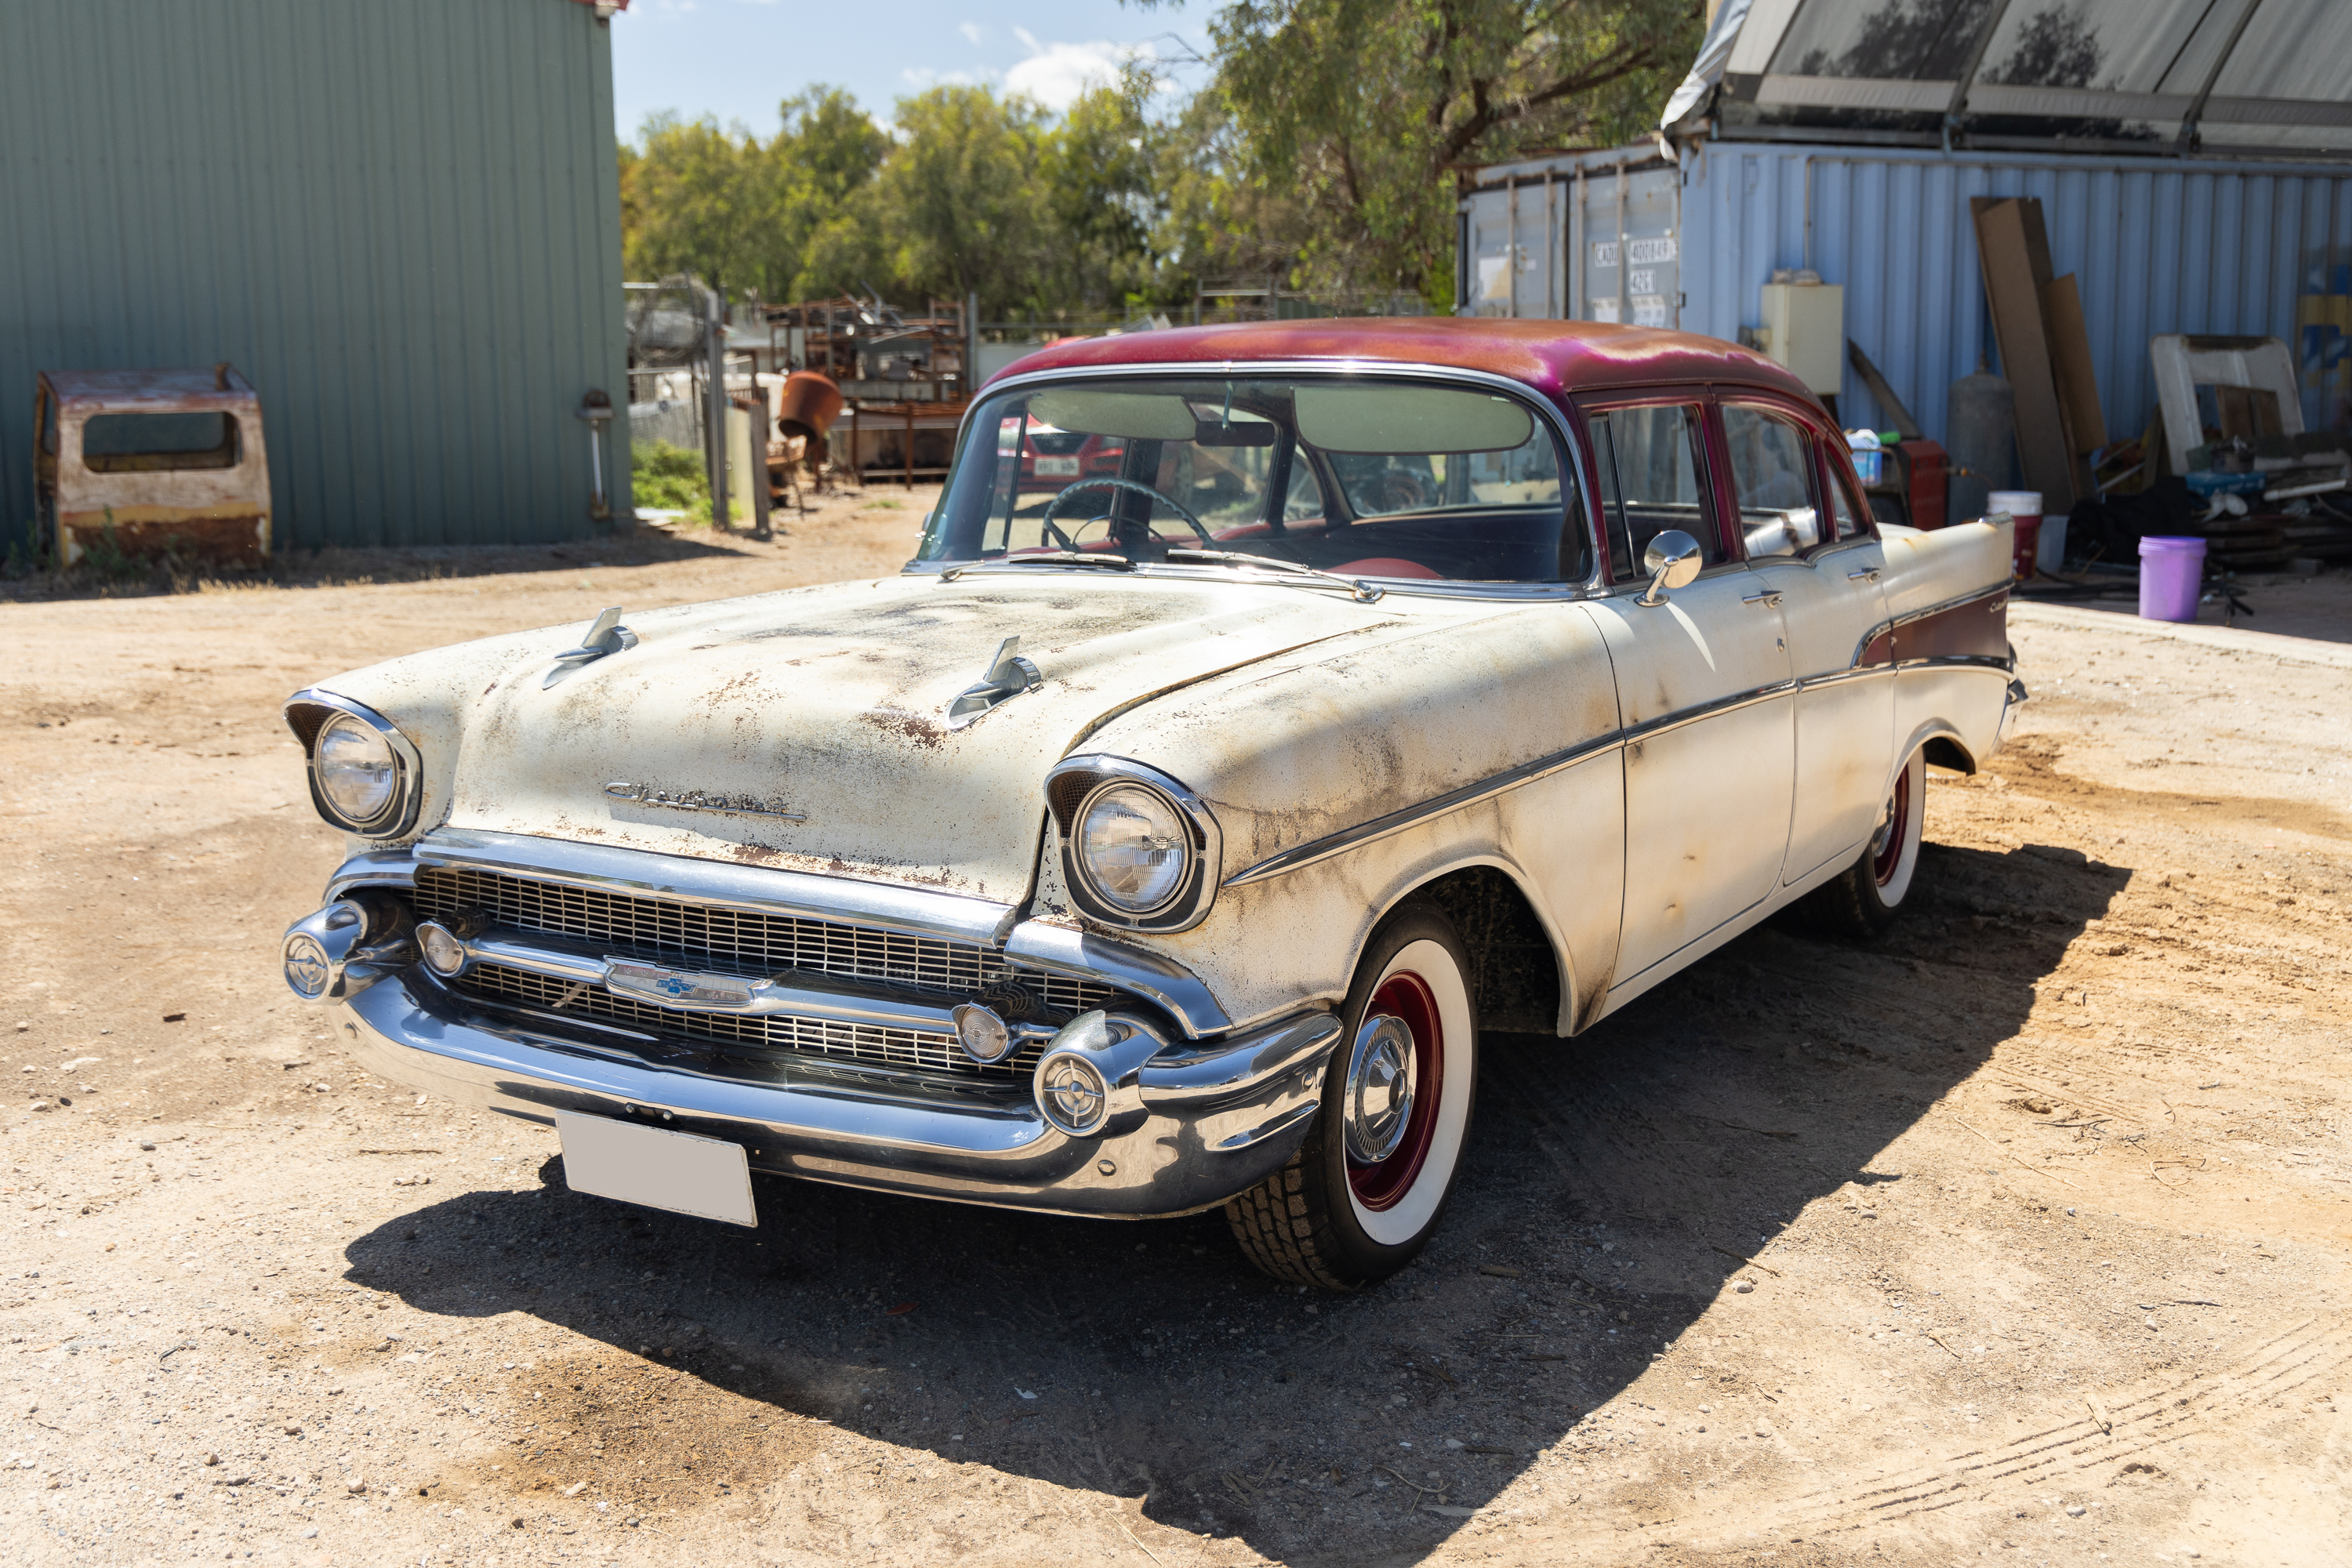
column 817, row 720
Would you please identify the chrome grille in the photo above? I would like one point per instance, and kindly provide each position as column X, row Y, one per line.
column 738, row 941
column 675, row 932
column 752, row 1035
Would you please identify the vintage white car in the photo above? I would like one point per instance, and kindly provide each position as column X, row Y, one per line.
column 1163, row 839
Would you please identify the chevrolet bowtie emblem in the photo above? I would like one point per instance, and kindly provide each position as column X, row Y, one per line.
column 703, row 800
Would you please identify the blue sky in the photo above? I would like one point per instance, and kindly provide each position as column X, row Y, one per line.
column 738, row 59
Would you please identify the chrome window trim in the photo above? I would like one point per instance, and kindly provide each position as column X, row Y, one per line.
column 1086, row 956
column 1185, row 907
column 1412, row 817
column 399, row 817
column 760, row 890
column 1534, row 399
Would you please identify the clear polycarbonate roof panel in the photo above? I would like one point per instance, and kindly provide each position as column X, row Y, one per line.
column 2293, row 50
column 2115, row 46
column 2127, row 71
column 1906, row 40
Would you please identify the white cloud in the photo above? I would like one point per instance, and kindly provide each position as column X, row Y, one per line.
column 921, row 76
column 1056, row 74
column 972, row 32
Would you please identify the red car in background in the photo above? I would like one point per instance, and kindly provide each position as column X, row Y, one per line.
column 1052, row 460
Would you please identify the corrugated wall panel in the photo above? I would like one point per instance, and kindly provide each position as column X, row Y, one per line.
column 401, row 221
column 2156, row 246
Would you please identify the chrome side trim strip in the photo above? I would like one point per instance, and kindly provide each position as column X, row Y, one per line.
column 1410, row 817
column 1059, row 950
column 1957, row 660
column 1839, row 677
column 1681, row 716
column 758, row 889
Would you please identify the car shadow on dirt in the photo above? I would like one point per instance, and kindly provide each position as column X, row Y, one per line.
column 1615, row 1185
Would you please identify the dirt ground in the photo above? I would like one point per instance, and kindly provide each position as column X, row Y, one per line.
column 2021, row 1235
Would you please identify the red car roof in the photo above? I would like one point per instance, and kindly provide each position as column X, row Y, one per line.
column 1554, row 357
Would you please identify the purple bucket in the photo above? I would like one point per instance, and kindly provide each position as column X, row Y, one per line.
column 2171, row 570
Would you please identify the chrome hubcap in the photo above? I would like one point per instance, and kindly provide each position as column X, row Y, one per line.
column 1379, row 1089
column 1886, row 830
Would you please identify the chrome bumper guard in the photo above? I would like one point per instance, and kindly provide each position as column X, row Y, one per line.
column 1199, row 1120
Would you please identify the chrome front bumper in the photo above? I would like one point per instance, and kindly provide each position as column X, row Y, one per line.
column 1207, row 1118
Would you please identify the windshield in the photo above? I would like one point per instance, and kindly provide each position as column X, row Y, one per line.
column 1378, row 478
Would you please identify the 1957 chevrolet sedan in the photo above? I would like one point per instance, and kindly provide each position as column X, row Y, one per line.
column 1164, row 838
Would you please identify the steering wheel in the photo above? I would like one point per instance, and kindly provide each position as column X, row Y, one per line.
column 1173, row 505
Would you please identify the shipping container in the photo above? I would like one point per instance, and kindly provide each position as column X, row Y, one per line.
column 2157, row 245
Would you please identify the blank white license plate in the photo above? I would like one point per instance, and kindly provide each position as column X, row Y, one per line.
column 1050, row 468
column 706, row 1177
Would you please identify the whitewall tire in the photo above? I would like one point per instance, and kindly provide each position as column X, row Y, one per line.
column 1365, row 1191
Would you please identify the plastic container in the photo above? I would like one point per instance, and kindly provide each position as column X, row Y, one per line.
column 2024, row 509
column 2050, row 554
column 1870, row 466
column 2171, row 572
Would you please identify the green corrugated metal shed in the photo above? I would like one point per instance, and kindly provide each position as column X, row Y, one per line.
column 401, row 219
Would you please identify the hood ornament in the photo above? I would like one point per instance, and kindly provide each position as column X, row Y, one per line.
column 1009, row 675
column 606, row 634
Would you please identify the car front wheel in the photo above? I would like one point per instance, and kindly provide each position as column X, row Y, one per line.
column 1364, row 1192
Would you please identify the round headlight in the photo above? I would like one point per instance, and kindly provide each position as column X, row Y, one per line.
column 358, row 772
column 1135, row 847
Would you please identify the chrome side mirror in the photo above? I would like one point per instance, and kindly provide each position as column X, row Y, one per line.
column 1671, row 561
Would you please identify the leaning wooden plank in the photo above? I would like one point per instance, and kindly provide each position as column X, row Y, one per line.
column 2010, row 239
column 2070, row 357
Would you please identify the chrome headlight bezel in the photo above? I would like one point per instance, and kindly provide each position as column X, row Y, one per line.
column 308, row 713
column 1077, row 783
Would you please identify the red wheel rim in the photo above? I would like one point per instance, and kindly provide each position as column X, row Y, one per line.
column 1889, row 854
column 1407, row 997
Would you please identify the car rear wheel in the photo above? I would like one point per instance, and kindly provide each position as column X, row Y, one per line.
column 1364, row 1193
column 1864, row 898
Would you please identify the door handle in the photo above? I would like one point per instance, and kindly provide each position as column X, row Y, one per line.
column 1768, row 597
column 1867, row 574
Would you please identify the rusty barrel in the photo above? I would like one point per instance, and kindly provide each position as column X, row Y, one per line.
column 810, row 403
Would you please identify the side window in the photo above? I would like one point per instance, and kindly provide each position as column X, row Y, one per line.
column 1303, row 499
column 1772, row 471
column 1852, row 520
column 1651, row 478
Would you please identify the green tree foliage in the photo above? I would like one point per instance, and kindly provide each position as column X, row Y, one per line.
column 1369, row 110
column 1328, row 153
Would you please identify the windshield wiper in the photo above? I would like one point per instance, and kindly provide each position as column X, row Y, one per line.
column 1362, row 592
column 1043, row 558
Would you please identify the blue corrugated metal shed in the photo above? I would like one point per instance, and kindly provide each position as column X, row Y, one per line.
column 401, row 221
column 2158, row 244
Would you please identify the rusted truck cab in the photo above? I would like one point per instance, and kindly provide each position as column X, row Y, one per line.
column 150, row 462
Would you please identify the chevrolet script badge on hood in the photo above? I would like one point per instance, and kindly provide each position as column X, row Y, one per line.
column 699, row 800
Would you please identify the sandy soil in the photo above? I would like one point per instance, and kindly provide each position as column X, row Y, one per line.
column 2019, row 1236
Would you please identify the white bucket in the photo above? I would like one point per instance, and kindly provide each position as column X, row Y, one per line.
column 2024, row 509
